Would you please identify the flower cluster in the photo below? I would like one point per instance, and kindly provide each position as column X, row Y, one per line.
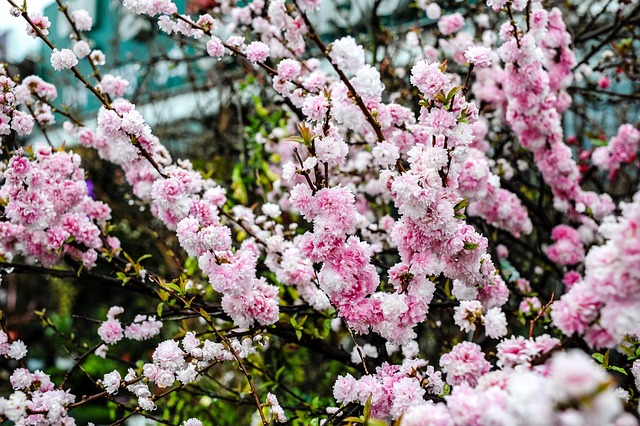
column 16, row 349
column 396, row 172
column 393, row 389
column 36, row 401
column 604, row 305
column 567, row 249
column 10, row 117
column 184, row 361
column 622, row 148
column 48, row 206
column 142, row 328
column 571, row 390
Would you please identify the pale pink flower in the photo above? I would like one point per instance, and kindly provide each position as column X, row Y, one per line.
column 289, row 69
column 428, row 78
column 479, row 56
column 111, row 331
column 466, row 314
column 22, row 123
column 433, row 11
column 39, row 21
column 449, row 24
column 63, row 59
column 495, row 323
column 81, row 49
column 82, row 19
column 464, row 364
column 257, row 51
column 113, row 85
column 347, row 55
column 215, row 47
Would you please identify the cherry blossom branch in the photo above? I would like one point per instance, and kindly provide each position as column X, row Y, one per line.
column 202, row 314
column 319, row 43
column 64, row 8
column 99, row 95
column 76, row 73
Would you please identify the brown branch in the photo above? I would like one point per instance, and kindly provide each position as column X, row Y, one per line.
column 532, row 323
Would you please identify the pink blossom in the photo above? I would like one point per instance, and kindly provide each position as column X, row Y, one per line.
column 289, row 69
column 257, row 51
column 315, row 107
column 143, row 328
column 449, row 24
column 427, row 414
column 63, row 59
column 97, row 57
column 113, row 85
column 82, row 19
column 567, row 249
column 496, row 4
column 17, row 350
column 215, row 47
column 530, row 305
column 39, row 21
column 479, row 56
column 604, row 82
column 21, row 379
column 575, row 374
column 151, row 8
column 495, row 323
column 22, row 123
column 464, row 364
column 347, row 55
column 428, row 78
column 111, row 331
column 635, row 370
column 332, row 148
column 433, row 11
column 467, row 314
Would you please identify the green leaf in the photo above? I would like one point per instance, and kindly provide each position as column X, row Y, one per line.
column 367, row 408
column 618, row 369
column 279, row 372
column 159, row 309
column 191, row 265
column 237, row 184
column 599, row 357
column 461, row 205
column 174, row 287
column 122, row 277
column 452, row 93
column 470, row 246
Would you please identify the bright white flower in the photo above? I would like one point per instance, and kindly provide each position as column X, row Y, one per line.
column 111, row 382
column 495, row 323
column 17, row 350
